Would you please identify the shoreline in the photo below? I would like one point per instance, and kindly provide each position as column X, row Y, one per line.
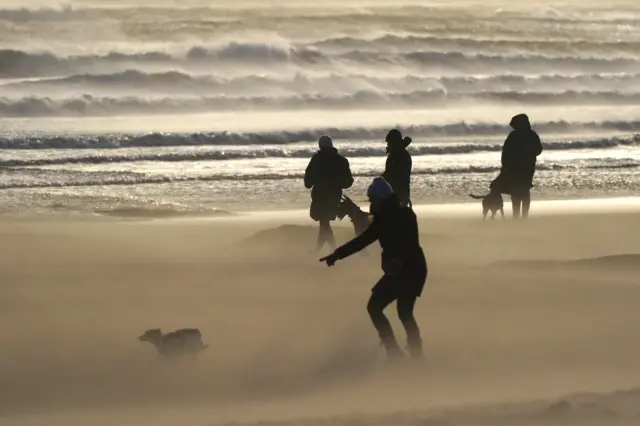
column 466, row 209
column 446, row 210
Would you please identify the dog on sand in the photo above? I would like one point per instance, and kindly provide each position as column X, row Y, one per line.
column 492, row 202
column 358, row 217
column 186, row 341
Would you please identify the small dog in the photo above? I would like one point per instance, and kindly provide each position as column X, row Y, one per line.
column 492, row 202
column 186, row 341
column 358, row 217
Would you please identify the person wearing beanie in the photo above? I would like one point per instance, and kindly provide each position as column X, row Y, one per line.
column 397, row 169
column 404, row 265
column 327, row 174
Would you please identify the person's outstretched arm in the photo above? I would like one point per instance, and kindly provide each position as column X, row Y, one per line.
column 353, row 246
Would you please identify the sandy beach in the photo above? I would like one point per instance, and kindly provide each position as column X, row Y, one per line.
column 520, row 319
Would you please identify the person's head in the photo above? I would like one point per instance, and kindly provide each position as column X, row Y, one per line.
column 520, row 122
column 395, row 140
column 379, row 193
column 325, row 143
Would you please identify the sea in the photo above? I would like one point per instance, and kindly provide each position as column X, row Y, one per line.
column 150, row 108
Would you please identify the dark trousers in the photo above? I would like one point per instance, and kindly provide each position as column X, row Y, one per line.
column 386, row 291
column 520, row 203
column 325, row 235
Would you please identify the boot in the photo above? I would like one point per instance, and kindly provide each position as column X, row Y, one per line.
column 415, row 349
column 394, row 352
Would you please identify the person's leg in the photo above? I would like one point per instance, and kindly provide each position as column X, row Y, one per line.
column 321, row 235
column 526, row 203
column 382, row 295
column 325, row 235
column 329, row 237
column 405, row 313
column 516, row 201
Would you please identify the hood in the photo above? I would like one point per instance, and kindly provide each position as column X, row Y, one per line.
column 395, row 140
column 520, row 122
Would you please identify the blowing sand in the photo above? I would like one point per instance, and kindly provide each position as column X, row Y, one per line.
column 519, row 321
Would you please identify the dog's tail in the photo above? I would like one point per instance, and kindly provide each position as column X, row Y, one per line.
column 477, row 197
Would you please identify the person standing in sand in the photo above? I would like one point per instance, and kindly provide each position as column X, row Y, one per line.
column 327, row 174
column 519, row 156
column 404, row 265
column 397, row 169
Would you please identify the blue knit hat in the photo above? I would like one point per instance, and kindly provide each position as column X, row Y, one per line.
column 379, row 189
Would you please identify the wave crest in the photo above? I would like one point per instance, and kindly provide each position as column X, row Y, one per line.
column 311, row 135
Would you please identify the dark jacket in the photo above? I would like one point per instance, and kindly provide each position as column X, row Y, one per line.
column 397, row 170
column 396, row 228
column 519, row 156
column 328, row 173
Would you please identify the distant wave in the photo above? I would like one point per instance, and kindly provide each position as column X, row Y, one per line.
column 43, row 178
column 41, row 14
column 478, row 44
column 350, row 152
column 311, row 135
column 89, row 105
column 70, row 179
column 18, row 63
column 184, row 83
column 118, row 10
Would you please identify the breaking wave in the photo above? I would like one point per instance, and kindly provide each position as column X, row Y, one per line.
column 89, row 105
column 19, row 63
column 478, row 44
column 181, row 82
column 285, row 137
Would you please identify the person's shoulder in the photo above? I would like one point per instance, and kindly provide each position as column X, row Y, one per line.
column 511, row 137
column 408, row 212
column 341, row 158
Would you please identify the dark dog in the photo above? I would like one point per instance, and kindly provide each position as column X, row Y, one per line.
column 358, row 217
column 492, row 202
column 186, row 341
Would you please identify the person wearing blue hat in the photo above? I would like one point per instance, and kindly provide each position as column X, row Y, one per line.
column 327, row 174
column 404, row 265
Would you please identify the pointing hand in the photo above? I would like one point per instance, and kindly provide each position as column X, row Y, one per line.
column 331, row 259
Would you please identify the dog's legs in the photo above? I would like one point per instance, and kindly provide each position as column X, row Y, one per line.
column 502, row 212
column 484, row 214
column 493, row 215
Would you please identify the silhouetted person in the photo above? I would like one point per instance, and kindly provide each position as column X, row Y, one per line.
column 397, row 169
column 519, row 155
column 404, row 265
column 328, row 173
